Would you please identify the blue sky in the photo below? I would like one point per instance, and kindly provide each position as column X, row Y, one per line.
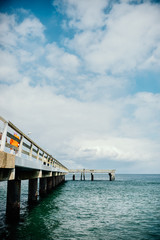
column 84, row 78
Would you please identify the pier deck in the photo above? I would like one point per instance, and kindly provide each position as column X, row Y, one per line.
column 111, row 173
column 21, row 158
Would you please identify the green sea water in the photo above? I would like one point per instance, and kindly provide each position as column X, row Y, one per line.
column 128, row 208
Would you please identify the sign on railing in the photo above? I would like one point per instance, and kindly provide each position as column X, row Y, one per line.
column 20, row 144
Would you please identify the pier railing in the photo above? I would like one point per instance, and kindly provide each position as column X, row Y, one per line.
column 27, row 148
column 111, row 173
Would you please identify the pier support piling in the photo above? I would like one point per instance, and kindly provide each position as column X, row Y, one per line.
column 92, row 177
column 81, row 176
column 53, row 181
column 84, row 176
column 73, row 177
column 32, row 190
column 49, row 184
column 43, row 187
column 13, row 200
column 111, row 176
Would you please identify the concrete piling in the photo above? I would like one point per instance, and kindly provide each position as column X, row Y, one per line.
column 13, row 200
column 92, row 177
column 81, row 176
column 43, row 187
column 111, row 176
column 54, row 181
column 49, row 184
column 32, row 190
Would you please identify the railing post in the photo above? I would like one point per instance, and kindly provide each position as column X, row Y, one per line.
column 30, row 153
column 4, row 136
column 20, row 147
column 38, row 155
column 43, row 158
column 48, row 160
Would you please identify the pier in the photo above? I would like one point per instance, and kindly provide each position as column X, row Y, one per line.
column 23, row 159
column 83, row 172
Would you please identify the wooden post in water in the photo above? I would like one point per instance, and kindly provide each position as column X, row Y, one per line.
column 92, row 176
column 81, row 176
column 63, row 178
column 56, row 178
column 32, row 190
column 84, row 174
column 43, row 186
column 54, row 181
column 74, row 177
column 13, row 200
column 111, row 176
column 49, row 184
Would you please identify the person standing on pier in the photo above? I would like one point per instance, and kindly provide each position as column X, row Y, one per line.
column 14, row 143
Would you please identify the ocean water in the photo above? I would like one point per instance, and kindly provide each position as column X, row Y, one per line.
column 127, row 208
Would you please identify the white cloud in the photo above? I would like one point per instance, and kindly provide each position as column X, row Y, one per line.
column 8, row 68
column 14, row 33
column 30, row 27
column 7, row 34
column 84, row 14
column 60, row 59
column 74, row 130
column 125, row 44
column 63, row 94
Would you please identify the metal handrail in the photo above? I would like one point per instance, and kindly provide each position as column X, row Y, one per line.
column 43, row 155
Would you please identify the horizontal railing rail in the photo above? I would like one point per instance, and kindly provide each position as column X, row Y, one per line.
column 91, row 170
column 26, row 145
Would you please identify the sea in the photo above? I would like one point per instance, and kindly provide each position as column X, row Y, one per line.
column 125, row 209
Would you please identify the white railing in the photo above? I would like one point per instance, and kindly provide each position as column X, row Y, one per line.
column 26, row 147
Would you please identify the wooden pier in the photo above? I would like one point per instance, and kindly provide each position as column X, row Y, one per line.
column 83, row 172
column 22, row 159
column 29, row 161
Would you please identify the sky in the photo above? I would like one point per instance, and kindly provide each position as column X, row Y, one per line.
column 84, row 78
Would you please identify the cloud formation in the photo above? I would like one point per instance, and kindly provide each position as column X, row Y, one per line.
column 76, row 97
column 127, row 38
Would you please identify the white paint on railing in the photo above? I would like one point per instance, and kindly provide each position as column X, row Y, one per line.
column 32, row 157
